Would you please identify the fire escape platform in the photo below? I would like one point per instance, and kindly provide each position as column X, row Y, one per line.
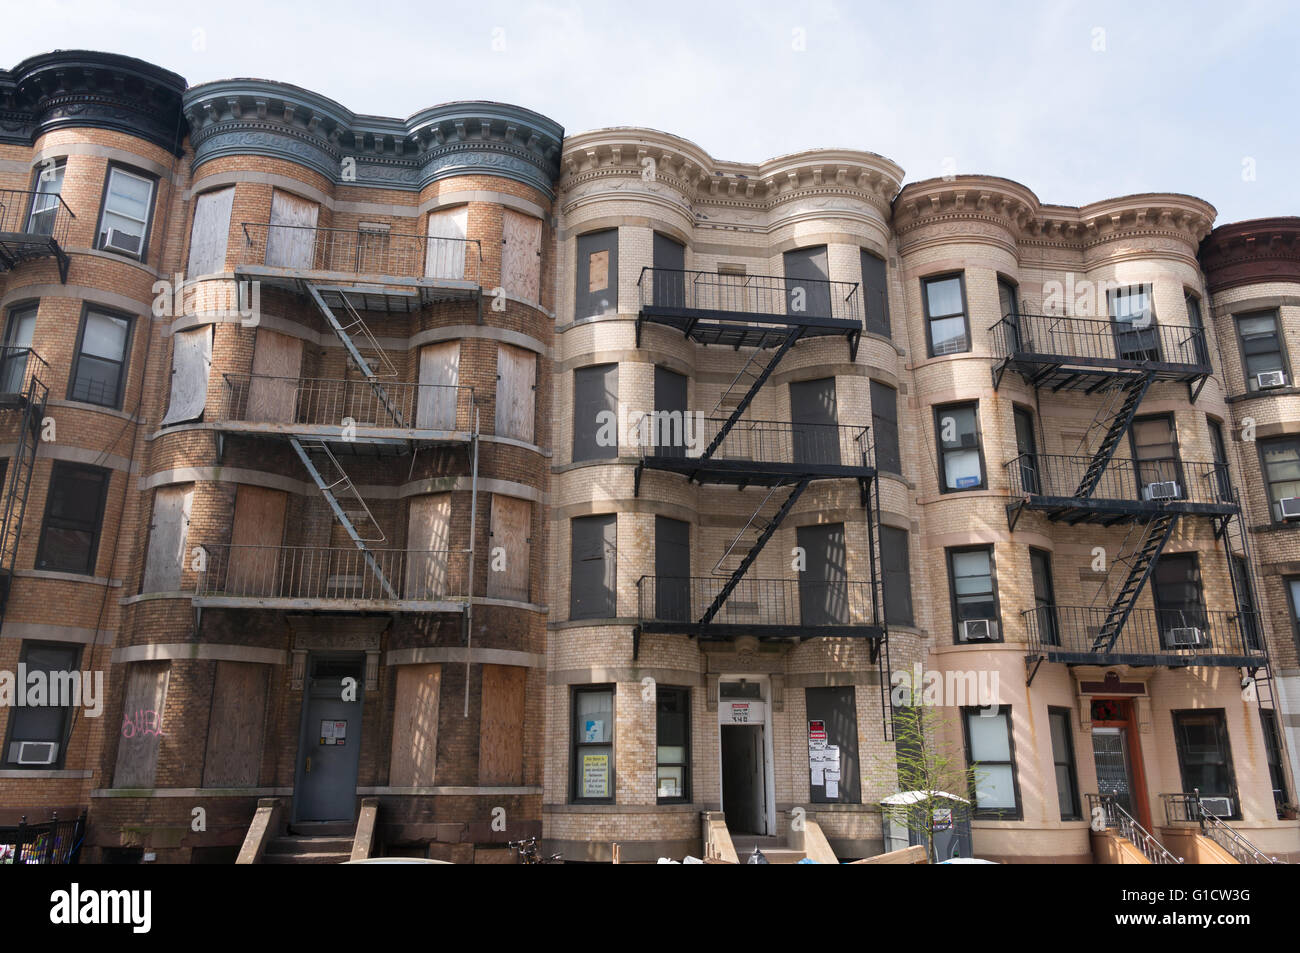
column 1171, row 659
column 726, row 632
column 368, row 441
column 1063, row 372
column 383, row 294
column 745, row 328
column 1104, row 512
column 742, row 473
column 323, row 605
column 18, row 247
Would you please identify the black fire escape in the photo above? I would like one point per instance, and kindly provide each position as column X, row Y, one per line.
column 1117, row 364
column 23, row 393
column 33, row 225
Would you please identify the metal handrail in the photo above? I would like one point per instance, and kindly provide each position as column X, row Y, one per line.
column 757, row 601
column 362, row 251
column 1099, row 338
column 330, row 402
column 16, row 380
column 18, row 211
column 748, row 294
column 1124, row 479
column 1193, row 810
column 1147, row 632
column 1130, row 829
column 659, row 434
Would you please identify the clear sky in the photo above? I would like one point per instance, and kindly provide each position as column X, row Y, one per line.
column 1078, row 101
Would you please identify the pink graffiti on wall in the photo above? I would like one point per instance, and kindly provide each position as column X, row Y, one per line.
column 142, row 722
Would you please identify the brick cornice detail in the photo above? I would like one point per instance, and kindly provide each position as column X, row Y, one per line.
column 1250, row 252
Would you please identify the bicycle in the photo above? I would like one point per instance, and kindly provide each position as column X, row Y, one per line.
column 530, row 852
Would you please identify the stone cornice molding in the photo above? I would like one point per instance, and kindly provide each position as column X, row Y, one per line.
column 82, row 88
column 259, row 117
column 1263, row 249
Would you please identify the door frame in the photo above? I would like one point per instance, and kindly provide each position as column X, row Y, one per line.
column 1128, row 726
column 300, row 760
column 769, row 780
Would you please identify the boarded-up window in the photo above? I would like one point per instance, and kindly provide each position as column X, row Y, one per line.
column 272, row 392
column 875, row 291
column 501, row 726
column 142, row 725
column 597, row 290
column 669, row 428
column 896, row 575
column 516, row 380
column 808, row 293
column 439, row 377
column 521, row 255
column 592, row 573
column 511, row 548
column 837, row 709
column 167, row 534
column 428, row 540
column 191, row 362
column 291, row 236
column 445, row 257
column 235, row 728
column 595, row 391
column 815, row 422
column 823, row 585
column 669, row 275
column 672, row 569
column 210, row 232
column 255, row 542
column 415, row 726
column 884, row 423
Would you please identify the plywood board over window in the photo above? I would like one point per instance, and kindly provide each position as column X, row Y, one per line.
column 439, row 379
column 428, row 538
column 167, row 534
column 415, row 726
column 191, row 365
column 445, row 257
column 512, row 548
column 501, row 726
column 272, row 392
column 235, row 727
column 521, row 255
column 291, row 236
column 255, row 541
column 516, row 392
column 210, row 232
column 143, row 726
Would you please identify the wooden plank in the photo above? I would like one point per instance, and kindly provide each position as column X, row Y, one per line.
column 511, row 532
column 167, row 534
column 521, row 259
column 235, row 727
column 445, row 256
column 439, row 376
column 516, row 396
column 259, row 522
column 598, row 271
column 277, row 365
column 428, row 537
column 191, row 367
column 908, row 855
column 143, row 725
column 501, row 725
column 210, row 232
column 415, row 726
column 291, row 247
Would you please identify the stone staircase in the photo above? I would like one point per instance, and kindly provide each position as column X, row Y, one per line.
column 311, row 844
column 774, row 849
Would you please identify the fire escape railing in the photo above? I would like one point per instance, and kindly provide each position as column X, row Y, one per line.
column 1184, row 808
column 1128, row 827
column 792, row 299
column 33, row 225
column 360, row 251
column 1124, row 479
column 331, row 402
column 670, row 435
column 1163, row 636
column 1100, row 340
column 756, row 602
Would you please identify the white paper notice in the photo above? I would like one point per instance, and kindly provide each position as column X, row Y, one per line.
column 832, row 783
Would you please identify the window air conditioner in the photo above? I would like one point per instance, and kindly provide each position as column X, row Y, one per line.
column 969, row 440
column 979, row 630
column 1271, row 379
column 119, row 240
column 1290, row 507
column 1186, row 636
column 1166, row 490
column 37, row 752
column 1218, row 806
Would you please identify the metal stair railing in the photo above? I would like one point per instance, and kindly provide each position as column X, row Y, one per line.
column 1141, row 564
column 1184, row 807
column 1128, row 827
column 344, row 333
column 18, row 482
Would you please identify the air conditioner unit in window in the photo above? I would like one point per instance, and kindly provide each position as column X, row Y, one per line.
column 37, row 752
column 1290, row 507
column 979, row 630
column 1186, row 636
column 118, row 240
column 969, row 440
column 1166, row 490
column 1271, row 379
column 1218, row 806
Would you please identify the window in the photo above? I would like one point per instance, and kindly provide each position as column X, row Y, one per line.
column 1222, row 476
column 128, row 206
column 1133, row 320
column 989, row 750
column 1273, row 752
column 516, row 392
column 1280, row 463
column 961, row 455
column 45, row 203
column 38, row 733
column 1176, row 589
column 1204, row 756
column 1067, row 778
column 808, row 292
column 673, row 745
column 837, row 709
column 595, row 398
column 670, row 275
column 672, row 570
column 99, row 369
column 74, row 512
column 1201, row 347
column 884, row 424
column 896, row 575
column 823, row 584
column 1247, row 611
column 1155, row 452
column 668, row 430
column 1026, row 452
column 814, row 422
column 1008, row 298
column 17, row 349
column 597, row 274
column 1293, row 592
column 1262, row 348
column 945, row 314
column 592, row 746
column 1045, row 615
column 592, row 571
column 972, row 590
column 875, row 291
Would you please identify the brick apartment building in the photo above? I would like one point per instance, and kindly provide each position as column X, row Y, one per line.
column 360, row 521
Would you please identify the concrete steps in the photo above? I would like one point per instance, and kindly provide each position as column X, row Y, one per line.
column 774, row 849
column 308, row 849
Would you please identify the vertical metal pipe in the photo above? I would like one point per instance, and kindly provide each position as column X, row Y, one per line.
column 469, row 582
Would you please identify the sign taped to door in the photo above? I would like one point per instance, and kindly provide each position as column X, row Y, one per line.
column 333, row 732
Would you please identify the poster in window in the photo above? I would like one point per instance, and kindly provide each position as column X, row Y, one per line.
column 595, row 775
column 593, row 730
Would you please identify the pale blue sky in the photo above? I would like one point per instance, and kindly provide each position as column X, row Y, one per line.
column 1182, row 96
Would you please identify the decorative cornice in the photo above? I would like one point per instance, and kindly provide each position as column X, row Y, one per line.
column 79, row 88
column 252, row 116
column 1263, row 249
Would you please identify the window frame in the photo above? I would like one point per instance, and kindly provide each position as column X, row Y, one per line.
column 613, row 593
column 124, row 367
column 873, row 386
column 1279, row 336
column 951, row 551
column 576, row 745
column 65, row 732
column 993, row 813
column 1260, row 447
column 101, row 238
column 65, row 466
column 938, row 409
column 60, row 162
column 1052, row 614
column 926, row 280
column 1293, row 608
column 573, row 429
column 910, row 620
column 884, row 263
column 1192, row 300
column 684, row 694
column 1225, row 737
column 1071, row 763
column 7, row 360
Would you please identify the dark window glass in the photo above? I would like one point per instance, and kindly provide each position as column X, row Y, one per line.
column 668, row 430
column 1133, row 320
column 74, row 511
column 1246, row 608
column 970, row 574
column 17, row 352
column 1155, row 452
column 44, row 728
column 1027, row 468
column 808, row 293
column 875, row 290
column 896, row 575
column 961, row 454
column 1049, row 628
column 669, row 274
column 673, row 744
column 1281, row 465
column 1273, row 752
column 99, row 370
column 1067, row 784
column 1222, row 476
column 1262, row 351
column 1202, row 347
column 1176, row 588
column 945, row 314
column 1204, row 756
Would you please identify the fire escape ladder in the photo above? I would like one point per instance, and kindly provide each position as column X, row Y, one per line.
column 769, row 527
column 350, row 329
column 337, row 484
column 1116, row 420
column 755, row 378
column 1141, row 562
column 18, row 484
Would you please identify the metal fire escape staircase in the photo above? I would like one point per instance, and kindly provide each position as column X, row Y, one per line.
column 1140, row 560
column 1116, row 415
column 18, row 483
